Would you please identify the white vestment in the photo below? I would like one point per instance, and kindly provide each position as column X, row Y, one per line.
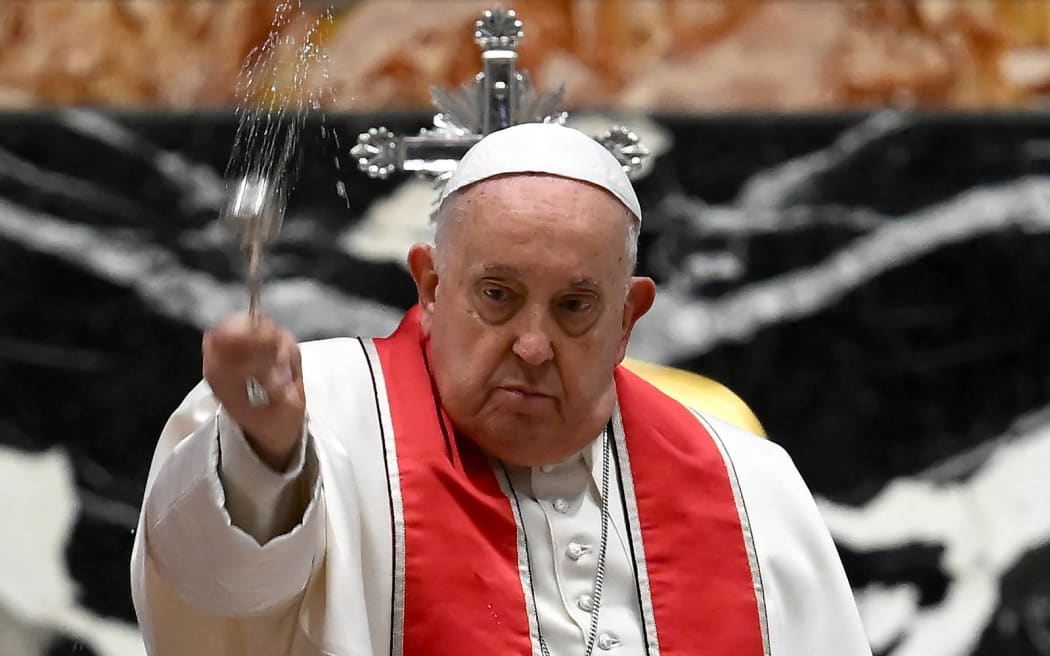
column 320, row 582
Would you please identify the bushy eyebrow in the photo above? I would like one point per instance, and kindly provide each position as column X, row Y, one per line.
column 583, row 283
column 500, row 270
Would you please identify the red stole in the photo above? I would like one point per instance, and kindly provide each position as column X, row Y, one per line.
column 463, row 592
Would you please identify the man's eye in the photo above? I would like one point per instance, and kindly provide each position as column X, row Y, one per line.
column 577, row 305
column 495, row 294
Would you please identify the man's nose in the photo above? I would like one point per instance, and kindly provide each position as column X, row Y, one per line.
column 533, row 344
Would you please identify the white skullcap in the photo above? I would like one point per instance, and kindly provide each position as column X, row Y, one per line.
column 544, row 148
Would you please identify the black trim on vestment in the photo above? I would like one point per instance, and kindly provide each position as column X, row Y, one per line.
column 389, row 489
column 630, row 533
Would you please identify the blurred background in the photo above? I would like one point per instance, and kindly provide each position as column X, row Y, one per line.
column 643, row 55
column 847, row 212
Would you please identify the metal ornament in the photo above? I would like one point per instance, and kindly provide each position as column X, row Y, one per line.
column 499, row 96
column 254, row 213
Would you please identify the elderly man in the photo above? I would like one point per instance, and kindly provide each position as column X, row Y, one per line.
column 487, row 479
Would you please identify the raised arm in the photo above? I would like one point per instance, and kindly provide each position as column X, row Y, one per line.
column 232, row 523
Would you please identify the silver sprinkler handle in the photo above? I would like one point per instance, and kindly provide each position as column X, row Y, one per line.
column 254, row 212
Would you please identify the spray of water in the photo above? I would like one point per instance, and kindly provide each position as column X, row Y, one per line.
column 275, row 95
column 274, row 98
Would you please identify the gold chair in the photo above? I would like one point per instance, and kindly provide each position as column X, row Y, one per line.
column 699, row 393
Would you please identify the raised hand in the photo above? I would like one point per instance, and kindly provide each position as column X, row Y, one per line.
column 241, row 349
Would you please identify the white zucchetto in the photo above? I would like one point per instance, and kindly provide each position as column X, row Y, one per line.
column 547, row 148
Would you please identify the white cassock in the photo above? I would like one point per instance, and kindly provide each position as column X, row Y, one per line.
column 227, row 561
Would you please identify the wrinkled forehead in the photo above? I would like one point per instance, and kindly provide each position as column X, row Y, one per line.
column 519, row 225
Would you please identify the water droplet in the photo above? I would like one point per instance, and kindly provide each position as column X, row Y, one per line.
column 273, row 98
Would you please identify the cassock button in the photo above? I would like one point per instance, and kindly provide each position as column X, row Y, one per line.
column 607, row 642
column 585, row 602
column 575, row 550
column 561, row 505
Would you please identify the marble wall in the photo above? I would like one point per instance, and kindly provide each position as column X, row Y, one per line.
column 642, row 55
column 872, row 284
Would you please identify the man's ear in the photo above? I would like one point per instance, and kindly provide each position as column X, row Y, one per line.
column 422, row 265
column 640, row 298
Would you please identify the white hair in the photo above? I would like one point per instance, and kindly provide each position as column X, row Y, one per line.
column 634, row 228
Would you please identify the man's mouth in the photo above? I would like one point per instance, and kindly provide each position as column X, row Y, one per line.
column 524, row 392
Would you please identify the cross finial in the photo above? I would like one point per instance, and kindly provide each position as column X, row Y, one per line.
column 499, row 96
column 498, row 28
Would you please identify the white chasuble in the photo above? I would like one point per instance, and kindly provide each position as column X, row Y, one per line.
column 413, row 542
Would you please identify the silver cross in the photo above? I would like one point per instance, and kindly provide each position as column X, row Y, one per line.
column 499, row 96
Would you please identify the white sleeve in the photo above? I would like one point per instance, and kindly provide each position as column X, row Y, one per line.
column 809, row 604
column 262, row 502
column 190, row 538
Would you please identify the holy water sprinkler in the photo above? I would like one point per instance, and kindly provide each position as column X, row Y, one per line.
column 254, row 213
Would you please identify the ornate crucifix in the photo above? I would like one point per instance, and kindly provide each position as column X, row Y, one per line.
column 499, row 96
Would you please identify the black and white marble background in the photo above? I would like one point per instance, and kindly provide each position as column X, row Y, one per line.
column 873, row 285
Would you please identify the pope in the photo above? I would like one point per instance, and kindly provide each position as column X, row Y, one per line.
column 489, row 478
